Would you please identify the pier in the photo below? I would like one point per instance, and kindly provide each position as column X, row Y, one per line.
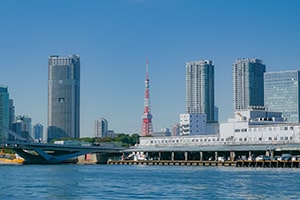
column 238, row 163
column 258, row 155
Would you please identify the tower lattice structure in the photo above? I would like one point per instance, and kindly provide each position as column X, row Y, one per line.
column 147, row 128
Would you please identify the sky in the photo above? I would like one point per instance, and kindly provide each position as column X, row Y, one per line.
column 115, row 38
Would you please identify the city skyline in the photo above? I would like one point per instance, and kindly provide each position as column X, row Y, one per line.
column 115, row 38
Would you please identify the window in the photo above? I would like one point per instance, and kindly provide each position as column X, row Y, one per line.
column 61, row 100
column 286, row 138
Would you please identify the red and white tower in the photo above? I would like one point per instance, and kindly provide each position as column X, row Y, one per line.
column 147, row 128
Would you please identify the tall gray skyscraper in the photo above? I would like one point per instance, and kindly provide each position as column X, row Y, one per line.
column 248, row 83
column 63, row 97
column 4, row 112
column 282, row 93
column 200, row 93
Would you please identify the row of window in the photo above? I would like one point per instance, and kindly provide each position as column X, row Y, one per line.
column 266, row 139
column 188, row 140
column 245, row 139
column 281, row 128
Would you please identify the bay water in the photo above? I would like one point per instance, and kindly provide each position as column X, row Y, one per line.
column 71, row 181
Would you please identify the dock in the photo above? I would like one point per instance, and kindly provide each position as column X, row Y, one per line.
column 238, row 163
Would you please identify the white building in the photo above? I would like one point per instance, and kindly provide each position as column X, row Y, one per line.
column 249, row 127
column 101, row 128
column 192, row 124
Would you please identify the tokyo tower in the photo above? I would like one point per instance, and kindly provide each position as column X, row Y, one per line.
column 147, row 128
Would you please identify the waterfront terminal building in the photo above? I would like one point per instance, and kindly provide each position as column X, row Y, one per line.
column 252, row 131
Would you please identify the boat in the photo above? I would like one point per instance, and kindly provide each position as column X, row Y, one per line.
column 10, row 159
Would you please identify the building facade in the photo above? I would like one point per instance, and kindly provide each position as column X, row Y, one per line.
column 282, row 93
column 22, row 126
column 248, row 83
column 164, row 132
column 101, row 128
column 38, row 132
column 175, row 129
column 4, row 112
column 63, row 97
column 200, row 95
column 192, row 124
column 11, row 113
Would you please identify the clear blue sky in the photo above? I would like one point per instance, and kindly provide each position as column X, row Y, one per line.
column 114, row 39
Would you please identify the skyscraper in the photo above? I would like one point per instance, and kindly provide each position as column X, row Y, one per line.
column 282, row 90
column 22, row 126
column 63, row 97
column 248, row 83
column 38, row 131
column 4, row 112
column 101, row 128
column 200, row 93
column 11, row 113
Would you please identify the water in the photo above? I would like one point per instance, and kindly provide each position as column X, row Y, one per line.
column 147, row 182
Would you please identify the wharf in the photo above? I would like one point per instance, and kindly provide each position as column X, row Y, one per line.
column 238, row 163
column 169, row 162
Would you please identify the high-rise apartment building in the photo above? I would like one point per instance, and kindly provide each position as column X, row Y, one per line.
column 282, row 90
column 248, row 83
column 4, row 112
column 200, row 93
column 63, row 97
column 101, row 128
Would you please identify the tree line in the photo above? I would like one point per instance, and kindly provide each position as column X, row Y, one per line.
column 125, row 139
